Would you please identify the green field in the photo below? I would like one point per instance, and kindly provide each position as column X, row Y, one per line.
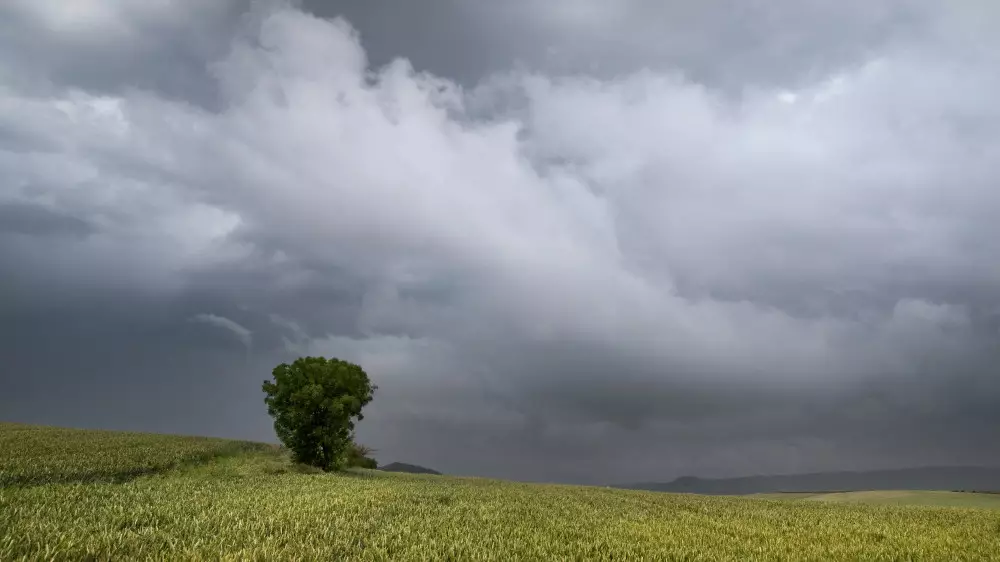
column 40, row 455
column 82, row 495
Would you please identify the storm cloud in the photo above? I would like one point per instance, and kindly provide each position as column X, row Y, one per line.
column 611, row 243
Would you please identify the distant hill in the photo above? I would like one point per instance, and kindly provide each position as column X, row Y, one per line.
column 411, row 468
column 980, row 479
column 990, row 500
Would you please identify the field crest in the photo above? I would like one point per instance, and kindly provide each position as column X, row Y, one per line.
column 36, row 455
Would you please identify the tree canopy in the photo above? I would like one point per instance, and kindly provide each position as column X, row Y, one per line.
column 314, row 402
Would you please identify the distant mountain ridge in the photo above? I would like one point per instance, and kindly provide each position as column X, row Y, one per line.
column 404, row 467
column 964, row 478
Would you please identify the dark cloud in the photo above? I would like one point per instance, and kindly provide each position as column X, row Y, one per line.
column 35, row 220
column 574, row 241
column 725, row 44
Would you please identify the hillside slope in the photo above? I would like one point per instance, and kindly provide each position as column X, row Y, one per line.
column 252, row 504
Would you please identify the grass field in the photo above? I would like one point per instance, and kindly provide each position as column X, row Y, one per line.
column 142, row 497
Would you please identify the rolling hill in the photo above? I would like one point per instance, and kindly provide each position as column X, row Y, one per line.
column 981, row 479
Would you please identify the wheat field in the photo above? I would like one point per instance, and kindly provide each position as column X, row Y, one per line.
column 88, row 495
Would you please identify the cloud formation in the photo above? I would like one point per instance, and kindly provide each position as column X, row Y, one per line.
column 590, row 277
column 244, row 335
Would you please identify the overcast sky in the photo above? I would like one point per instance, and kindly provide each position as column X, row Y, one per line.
column 572, row 240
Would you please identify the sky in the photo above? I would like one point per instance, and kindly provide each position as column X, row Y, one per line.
column 574, row 241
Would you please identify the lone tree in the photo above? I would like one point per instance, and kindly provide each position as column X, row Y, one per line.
column 314, row 402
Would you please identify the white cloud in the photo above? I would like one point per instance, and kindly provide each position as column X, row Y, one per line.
column 243, row 334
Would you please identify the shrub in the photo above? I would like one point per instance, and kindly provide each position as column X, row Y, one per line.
column 360, row 456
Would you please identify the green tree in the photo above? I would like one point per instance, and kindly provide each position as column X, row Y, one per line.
column 314, row 402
